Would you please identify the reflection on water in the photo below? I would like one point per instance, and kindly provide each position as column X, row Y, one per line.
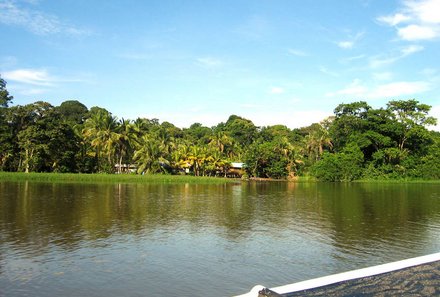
column 203, row 240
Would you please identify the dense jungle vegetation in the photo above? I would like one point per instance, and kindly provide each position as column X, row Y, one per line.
column 357, row 142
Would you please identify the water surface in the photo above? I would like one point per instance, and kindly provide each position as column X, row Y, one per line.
column 203, row 240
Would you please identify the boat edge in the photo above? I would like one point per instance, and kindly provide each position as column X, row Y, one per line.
column 346, row 276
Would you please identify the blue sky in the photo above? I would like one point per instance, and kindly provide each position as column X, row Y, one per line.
column 275, row 62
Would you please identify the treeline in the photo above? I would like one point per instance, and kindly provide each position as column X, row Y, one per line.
column 357, row 142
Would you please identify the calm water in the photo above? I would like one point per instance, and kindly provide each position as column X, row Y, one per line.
column 203, row 240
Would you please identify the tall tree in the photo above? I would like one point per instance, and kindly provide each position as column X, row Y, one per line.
column 220, row 139
column 5, row 97
column 349, row 121
column 101, row 131
column 242, row 130
column 411, row 118
column 126, row 140
column 73, row 112
column 147, row 156
column 318, row 139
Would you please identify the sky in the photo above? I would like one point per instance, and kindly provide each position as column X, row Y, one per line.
column 286, row 62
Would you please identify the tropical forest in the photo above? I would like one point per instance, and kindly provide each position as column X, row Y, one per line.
column 357, row 142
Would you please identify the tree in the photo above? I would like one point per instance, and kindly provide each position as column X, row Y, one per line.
column 241, row 129
column 343, row 166
column 197, row 158
column 350, row 120
column 147, row 157
column 220, row 139
column 266, row 160
column 429, row 166
column 46, row 143
column 318, row 139
column 6, row 136
column 197, row 133
column 126, row 139
column 100, row 129
column 410, row 118
column 5, row 98
column 73, row 112
column 6, row 144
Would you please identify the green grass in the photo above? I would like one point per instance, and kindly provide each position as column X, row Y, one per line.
column 161, row 178
column 400, row 180
column 111, row 178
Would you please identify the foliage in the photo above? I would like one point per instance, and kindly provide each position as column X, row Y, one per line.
column 343, row 166
column 359, row 141
column 5, row 98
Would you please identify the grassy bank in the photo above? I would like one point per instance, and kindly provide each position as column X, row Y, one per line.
column 110, row 178
column 162, row 178
column 400, row 180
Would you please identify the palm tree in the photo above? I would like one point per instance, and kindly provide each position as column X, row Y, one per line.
column 289, row 151
column 140, row 126
column 166, row 141
column 217, row 163
column 179, row 156
column 234, row 151
column 101, row 131
column 126, row 138
column 220, row 139
column 148, row 155
column 317, row 140
column 197, row 159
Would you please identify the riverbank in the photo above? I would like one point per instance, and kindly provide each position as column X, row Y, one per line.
column 112, row 178
column 164, row 178
column 401, row 181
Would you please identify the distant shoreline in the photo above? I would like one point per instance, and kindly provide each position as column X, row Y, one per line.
column 111, row 178
column 169, row 179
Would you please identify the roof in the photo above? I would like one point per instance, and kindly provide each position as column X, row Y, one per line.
column 237, row 165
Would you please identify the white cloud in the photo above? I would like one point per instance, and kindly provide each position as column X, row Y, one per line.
column 382, row 75
column 427, row 11
column 429, row 71
column 398, row 89
column 358, row 90
column 394, row 20
column 209, row 62
column 277, row 90
column 297, row 53
column 326, row 71
column 418, row 20
column 350, row 43
column 352, row 58
column 354, row 89
column 417, row 32
column 32, row 92
column 355, row 57
column 35, row 21
column 378, row 61
column 30, row 76
column 346, row 44
column 411, row 49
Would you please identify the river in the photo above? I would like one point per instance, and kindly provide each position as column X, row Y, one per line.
column 67, row 239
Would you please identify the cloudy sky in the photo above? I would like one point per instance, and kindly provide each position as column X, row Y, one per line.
column 275, row 62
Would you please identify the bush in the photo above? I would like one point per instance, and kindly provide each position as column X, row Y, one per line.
column 343, row 166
